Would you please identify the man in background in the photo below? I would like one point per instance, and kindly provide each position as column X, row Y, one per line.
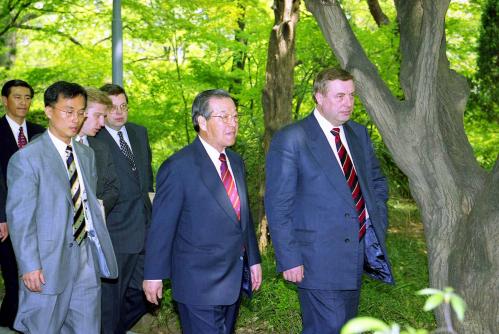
column 326, row 206
column 202, row 236
column 98, row 106
column 57, row 228
column 15, row 133
column 123, row 301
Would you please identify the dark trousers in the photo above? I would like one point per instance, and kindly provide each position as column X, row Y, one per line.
column 10, row 302
column 123, row 300
column 326, row 311
column 208, row 319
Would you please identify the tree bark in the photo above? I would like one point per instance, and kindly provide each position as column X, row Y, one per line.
column 277, row 96
column 425, row 135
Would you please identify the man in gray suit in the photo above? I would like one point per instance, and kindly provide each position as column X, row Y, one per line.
column 123, row 301
column 60, row 240
column 98, row 106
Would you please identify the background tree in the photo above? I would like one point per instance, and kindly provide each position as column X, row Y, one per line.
column 425, row 134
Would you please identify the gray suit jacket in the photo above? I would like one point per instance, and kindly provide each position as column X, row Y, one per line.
column 40, row 211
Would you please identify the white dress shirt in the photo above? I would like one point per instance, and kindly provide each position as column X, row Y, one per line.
column 114, row 134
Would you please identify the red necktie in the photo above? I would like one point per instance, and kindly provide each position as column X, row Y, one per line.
column 352, row 180
column 21, row 138
column 229, row 185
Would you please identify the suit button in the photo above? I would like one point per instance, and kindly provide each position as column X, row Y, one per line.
column 241, row 258
column 347, row 215
column 70, row 244
column 347, row 240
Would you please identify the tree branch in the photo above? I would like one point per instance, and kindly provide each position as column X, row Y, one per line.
column 377, row 13
column 351, row 56
column 57, row 32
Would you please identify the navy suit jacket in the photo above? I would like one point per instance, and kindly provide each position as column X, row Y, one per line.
column 195, row 238
column 128, row 220
column 3, row 196
column 310, row 211
column 8, row 145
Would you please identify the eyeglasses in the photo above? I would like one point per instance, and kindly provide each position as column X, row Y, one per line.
column 122, row 108
column 227, row 118
column 70, row 113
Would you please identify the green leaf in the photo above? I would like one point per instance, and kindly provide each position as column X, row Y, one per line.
column 433, row 302
column 364, row 324
column 459, row 306
column 428, row 291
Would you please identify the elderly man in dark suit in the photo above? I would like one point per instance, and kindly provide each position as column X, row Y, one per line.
column 15, row 133
column 123, row 301
column 98, row 106
column 202, row 236
column 326, row 206
column 57, row 228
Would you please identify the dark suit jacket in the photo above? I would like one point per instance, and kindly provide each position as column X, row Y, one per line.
column 108, row 184
column 128, row 220
column 195, row 238
column 8, row 145
column 3, row 196
column 309, row 206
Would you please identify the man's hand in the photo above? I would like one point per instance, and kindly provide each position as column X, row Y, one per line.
column 294, row 275
column 4, row 231
column 153, row 290
column 34, row 280
column 256, row 276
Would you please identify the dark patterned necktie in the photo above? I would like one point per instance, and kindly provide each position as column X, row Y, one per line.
column 127, row 151
column 229, row 185
column 79, row 230
column 352, row 180
column 21, row 138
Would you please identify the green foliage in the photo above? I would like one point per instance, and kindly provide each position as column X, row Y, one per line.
column 445, row 298
column 487, row 76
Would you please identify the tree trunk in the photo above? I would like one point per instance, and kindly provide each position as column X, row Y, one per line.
column 8, row 49
column 425, row 135
column 277, row 96
column 239, row 57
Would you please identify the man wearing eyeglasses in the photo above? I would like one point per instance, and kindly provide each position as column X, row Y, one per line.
column 202, row 236
column 98, row 107
column 15, row 133
column 58, row 232
column 123, row 301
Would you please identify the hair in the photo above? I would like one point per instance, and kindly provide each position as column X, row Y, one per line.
column 201, row 104
column 112, row 89
column 329, row 74
column 16, row 83
column 67, row 90
column 95, row 95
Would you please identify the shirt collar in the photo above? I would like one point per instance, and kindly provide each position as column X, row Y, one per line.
column 325, row 125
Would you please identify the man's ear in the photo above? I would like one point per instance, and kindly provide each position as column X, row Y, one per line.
column 48, row 112
column 4, row 101
column 202, row 123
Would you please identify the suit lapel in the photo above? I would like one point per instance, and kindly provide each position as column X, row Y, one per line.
column 321, row 150
column 211, row 179
column 136, row 150
column 58, row 166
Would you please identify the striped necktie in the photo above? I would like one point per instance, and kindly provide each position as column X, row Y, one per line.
column 79, row 231
column 229, row 185
column 352, row 180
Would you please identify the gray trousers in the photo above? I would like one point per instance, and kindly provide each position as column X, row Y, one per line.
column 75, row 310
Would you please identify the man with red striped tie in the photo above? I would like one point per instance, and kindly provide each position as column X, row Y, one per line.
column 326, row 206
column 15, row 133
column 202, row 236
